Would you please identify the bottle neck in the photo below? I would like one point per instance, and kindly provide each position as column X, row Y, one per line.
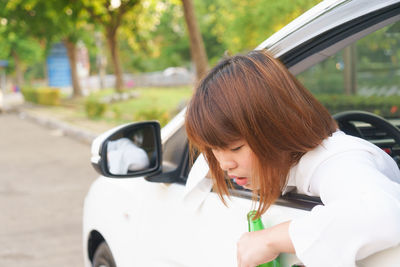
column 254, row 225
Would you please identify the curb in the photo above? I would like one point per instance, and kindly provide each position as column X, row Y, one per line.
column 69, row 130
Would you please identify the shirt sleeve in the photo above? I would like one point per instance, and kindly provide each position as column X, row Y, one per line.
column 360, row 215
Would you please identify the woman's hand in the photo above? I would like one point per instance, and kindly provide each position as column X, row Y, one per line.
column 255, row 248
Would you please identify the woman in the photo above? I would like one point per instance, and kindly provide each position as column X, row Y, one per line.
column 256, row 124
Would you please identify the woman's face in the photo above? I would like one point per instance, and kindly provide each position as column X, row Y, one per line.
column 237, row 162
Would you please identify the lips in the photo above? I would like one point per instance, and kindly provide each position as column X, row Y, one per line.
column 242, row 181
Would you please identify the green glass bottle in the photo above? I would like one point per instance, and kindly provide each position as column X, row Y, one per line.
column 256, row 225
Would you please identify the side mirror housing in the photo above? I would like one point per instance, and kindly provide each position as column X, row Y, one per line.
column 130, row 150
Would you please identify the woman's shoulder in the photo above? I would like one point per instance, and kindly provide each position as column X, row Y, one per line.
column 338, row 145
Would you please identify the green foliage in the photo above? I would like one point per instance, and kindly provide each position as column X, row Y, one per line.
column 236, row 26
column 29, row 94
column 153, row 113
column 42, row 96
column 117, row 112
column 377, row 64
column 17, row 44
column 325, row 77
column 157, row 38
column 388, row 107
column 48, row 96
column 245, row 24
column 94, row 108
column 28, row 29
column 152, row 34
column 152, row 104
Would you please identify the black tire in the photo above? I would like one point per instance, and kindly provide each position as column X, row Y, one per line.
column 103, row 257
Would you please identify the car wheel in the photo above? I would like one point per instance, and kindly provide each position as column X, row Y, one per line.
column 103, row 257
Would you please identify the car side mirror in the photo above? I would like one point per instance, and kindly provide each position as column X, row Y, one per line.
column 130, row 150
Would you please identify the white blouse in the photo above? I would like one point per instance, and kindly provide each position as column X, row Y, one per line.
column 358, row 184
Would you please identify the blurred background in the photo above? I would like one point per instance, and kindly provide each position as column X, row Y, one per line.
column 81, row 67
column 95, row 58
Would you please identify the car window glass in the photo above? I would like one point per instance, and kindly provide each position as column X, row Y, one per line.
column 368, row 67
column 174, row 150
column 364, row 76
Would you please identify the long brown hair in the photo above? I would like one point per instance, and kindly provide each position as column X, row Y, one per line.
column 255, row 98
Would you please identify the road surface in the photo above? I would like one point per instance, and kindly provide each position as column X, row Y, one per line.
column 44, row 177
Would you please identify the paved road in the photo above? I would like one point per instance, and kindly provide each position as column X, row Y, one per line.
column 44, row 177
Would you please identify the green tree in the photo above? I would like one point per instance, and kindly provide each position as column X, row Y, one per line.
column 17, row 43
column 233, row 26
column 145, row 35
column 63, row 21
column 243, row 25
column 21, row 51
column 159, row 39
column 110, row 15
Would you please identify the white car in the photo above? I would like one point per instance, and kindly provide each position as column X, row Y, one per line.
column 168, row 215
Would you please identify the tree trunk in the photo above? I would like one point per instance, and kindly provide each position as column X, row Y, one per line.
column 19, row 73
column 197, row 50
column 350, row 69
column 46, row 73
column 43, row 43
column 113, row 45
column 101, row 60
column 71, row 51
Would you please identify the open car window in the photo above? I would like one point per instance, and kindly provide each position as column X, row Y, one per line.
column 367, row 67
column 358, row 76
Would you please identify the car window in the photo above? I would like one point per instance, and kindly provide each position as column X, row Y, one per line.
column 363, row 76
column 175, row 154
column 367, row 67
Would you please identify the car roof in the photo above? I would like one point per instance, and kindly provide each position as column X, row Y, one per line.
column 324, row 17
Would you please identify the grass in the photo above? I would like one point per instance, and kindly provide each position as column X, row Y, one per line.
column 155, row 103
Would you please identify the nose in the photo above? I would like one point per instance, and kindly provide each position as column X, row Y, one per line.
column 226, row 162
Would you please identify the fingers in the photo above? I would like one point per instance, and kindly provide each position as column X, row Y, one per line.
column 253, row 249
column 244, row 258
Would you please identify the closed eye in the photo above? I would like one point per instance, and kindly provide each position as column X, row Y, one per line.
column 237, row 148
